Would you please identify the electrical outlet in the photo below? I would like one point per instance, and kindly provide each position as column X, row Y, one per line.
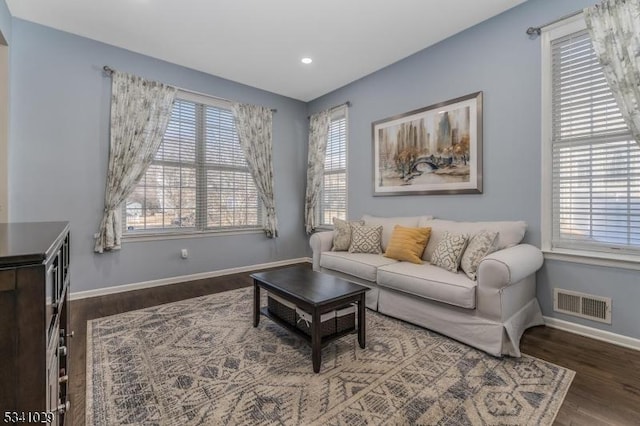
column 184, row 253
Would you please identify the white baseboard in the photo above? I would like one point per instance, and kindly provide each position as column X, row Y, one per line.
column 593, row 333
column 182, row 278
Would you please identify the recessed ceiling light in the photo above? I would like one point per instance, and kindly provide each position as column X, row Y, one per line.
column 306, row 60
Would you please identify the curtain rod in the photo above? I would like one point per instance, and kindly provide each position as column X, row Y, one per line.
column 109, row 71
column 347, row 104
column 536, row 31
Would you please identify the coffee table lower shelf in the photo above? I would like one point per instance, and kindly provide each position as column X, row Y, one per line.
column 306, row 337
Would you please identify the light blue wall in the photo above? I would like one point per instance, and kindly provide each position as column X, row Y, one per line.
column 498, row 58
column 59, row 149
column 5, row 21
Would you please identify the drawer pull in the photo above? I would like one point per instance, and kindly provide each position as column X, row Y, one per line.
column 63, row 408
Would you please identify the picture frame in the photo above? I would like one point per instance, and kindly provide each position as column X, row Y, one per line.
column 430, row 151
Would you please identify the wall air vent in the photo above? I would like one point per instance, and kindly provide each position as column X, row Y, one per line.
column 582, row 305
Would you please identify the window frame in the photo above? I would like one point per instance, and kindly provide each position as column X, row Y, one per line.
column 336, row 114
column 199, row 229
column 575, row 255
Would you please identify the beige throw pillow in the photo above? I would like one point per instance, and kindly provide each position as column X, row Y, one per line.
column 365, row 239
column 482, row 244
column 449, row 251
column 342, row 234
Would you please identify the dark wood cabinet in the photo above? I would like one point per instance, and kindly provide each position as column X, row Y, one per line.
column 34, row 322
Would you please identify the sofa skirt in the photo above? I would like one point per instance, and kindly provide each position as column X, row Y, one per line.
column 462, row 324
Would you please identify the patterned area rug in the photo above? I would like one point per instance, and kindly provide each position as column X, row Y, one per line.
column 201, row 362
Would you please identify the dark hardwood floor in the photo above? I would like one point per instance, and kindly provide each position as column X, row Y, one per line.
column 606, row 387
column 605, row 390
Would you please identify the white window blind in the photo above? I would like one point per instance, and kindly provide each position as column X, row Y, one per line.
column 199, row 180
column 595, row 161
column 333, row 202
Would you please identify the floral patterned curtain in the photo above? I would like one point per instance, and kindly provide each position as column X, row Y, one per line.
column 614, row 27
column 253, row 124
column 318, row 131
column 140, row 112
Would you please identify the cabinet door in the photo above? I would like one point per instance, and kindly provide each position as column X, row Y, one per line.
column 8, row 339
column 65, row 259
column 53, row 286
column 63, row 369
column 53, row 388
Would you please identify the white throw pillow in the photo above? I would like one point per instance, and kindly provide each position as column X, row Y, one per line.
column 480, row 245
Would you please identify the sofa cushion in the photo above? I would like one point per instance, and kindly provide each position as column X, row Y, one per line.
column 449, row 251
column 429, row 282
column 389, row 222
column 482, row 244
column 361, row 265
column 407, row 243
column 365, row 239
column 342, row 234
column 510, row 233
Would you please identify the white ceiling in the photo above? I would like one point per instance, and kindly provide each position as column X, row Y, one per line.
column 261, row 42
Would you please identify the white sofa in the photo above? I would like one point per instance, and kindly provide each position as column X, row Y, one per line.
column 490, row 314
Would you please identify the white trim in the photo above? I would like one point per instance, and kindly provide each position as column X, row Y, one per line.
column 549, row 33
column 346, row 163
column 337, row 113
column 566, row 26
column 593, row 333
column 546, row 160
column 623, row 261
column 202, row 98
column 133, row 237
column 183, row 278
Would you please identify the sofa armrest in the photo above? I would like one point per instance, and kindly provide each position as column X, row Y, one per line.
column 507, row 281
column 509, row 266
column 319, row 242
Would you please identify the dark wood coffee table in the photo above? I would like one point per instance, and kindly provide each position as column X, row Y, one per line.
column 315, row 293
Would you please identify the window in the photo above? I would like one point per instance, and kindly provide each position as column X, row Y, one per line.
column 593, row 163
column 333, row 202
column 199, row 180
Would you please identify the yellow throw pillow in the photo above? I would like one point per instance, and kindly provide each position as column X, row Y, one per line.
column 408, row 243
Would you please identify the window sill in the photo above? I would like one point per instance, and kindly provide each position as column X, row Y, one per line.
column 187, row 235
column 622, row 261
